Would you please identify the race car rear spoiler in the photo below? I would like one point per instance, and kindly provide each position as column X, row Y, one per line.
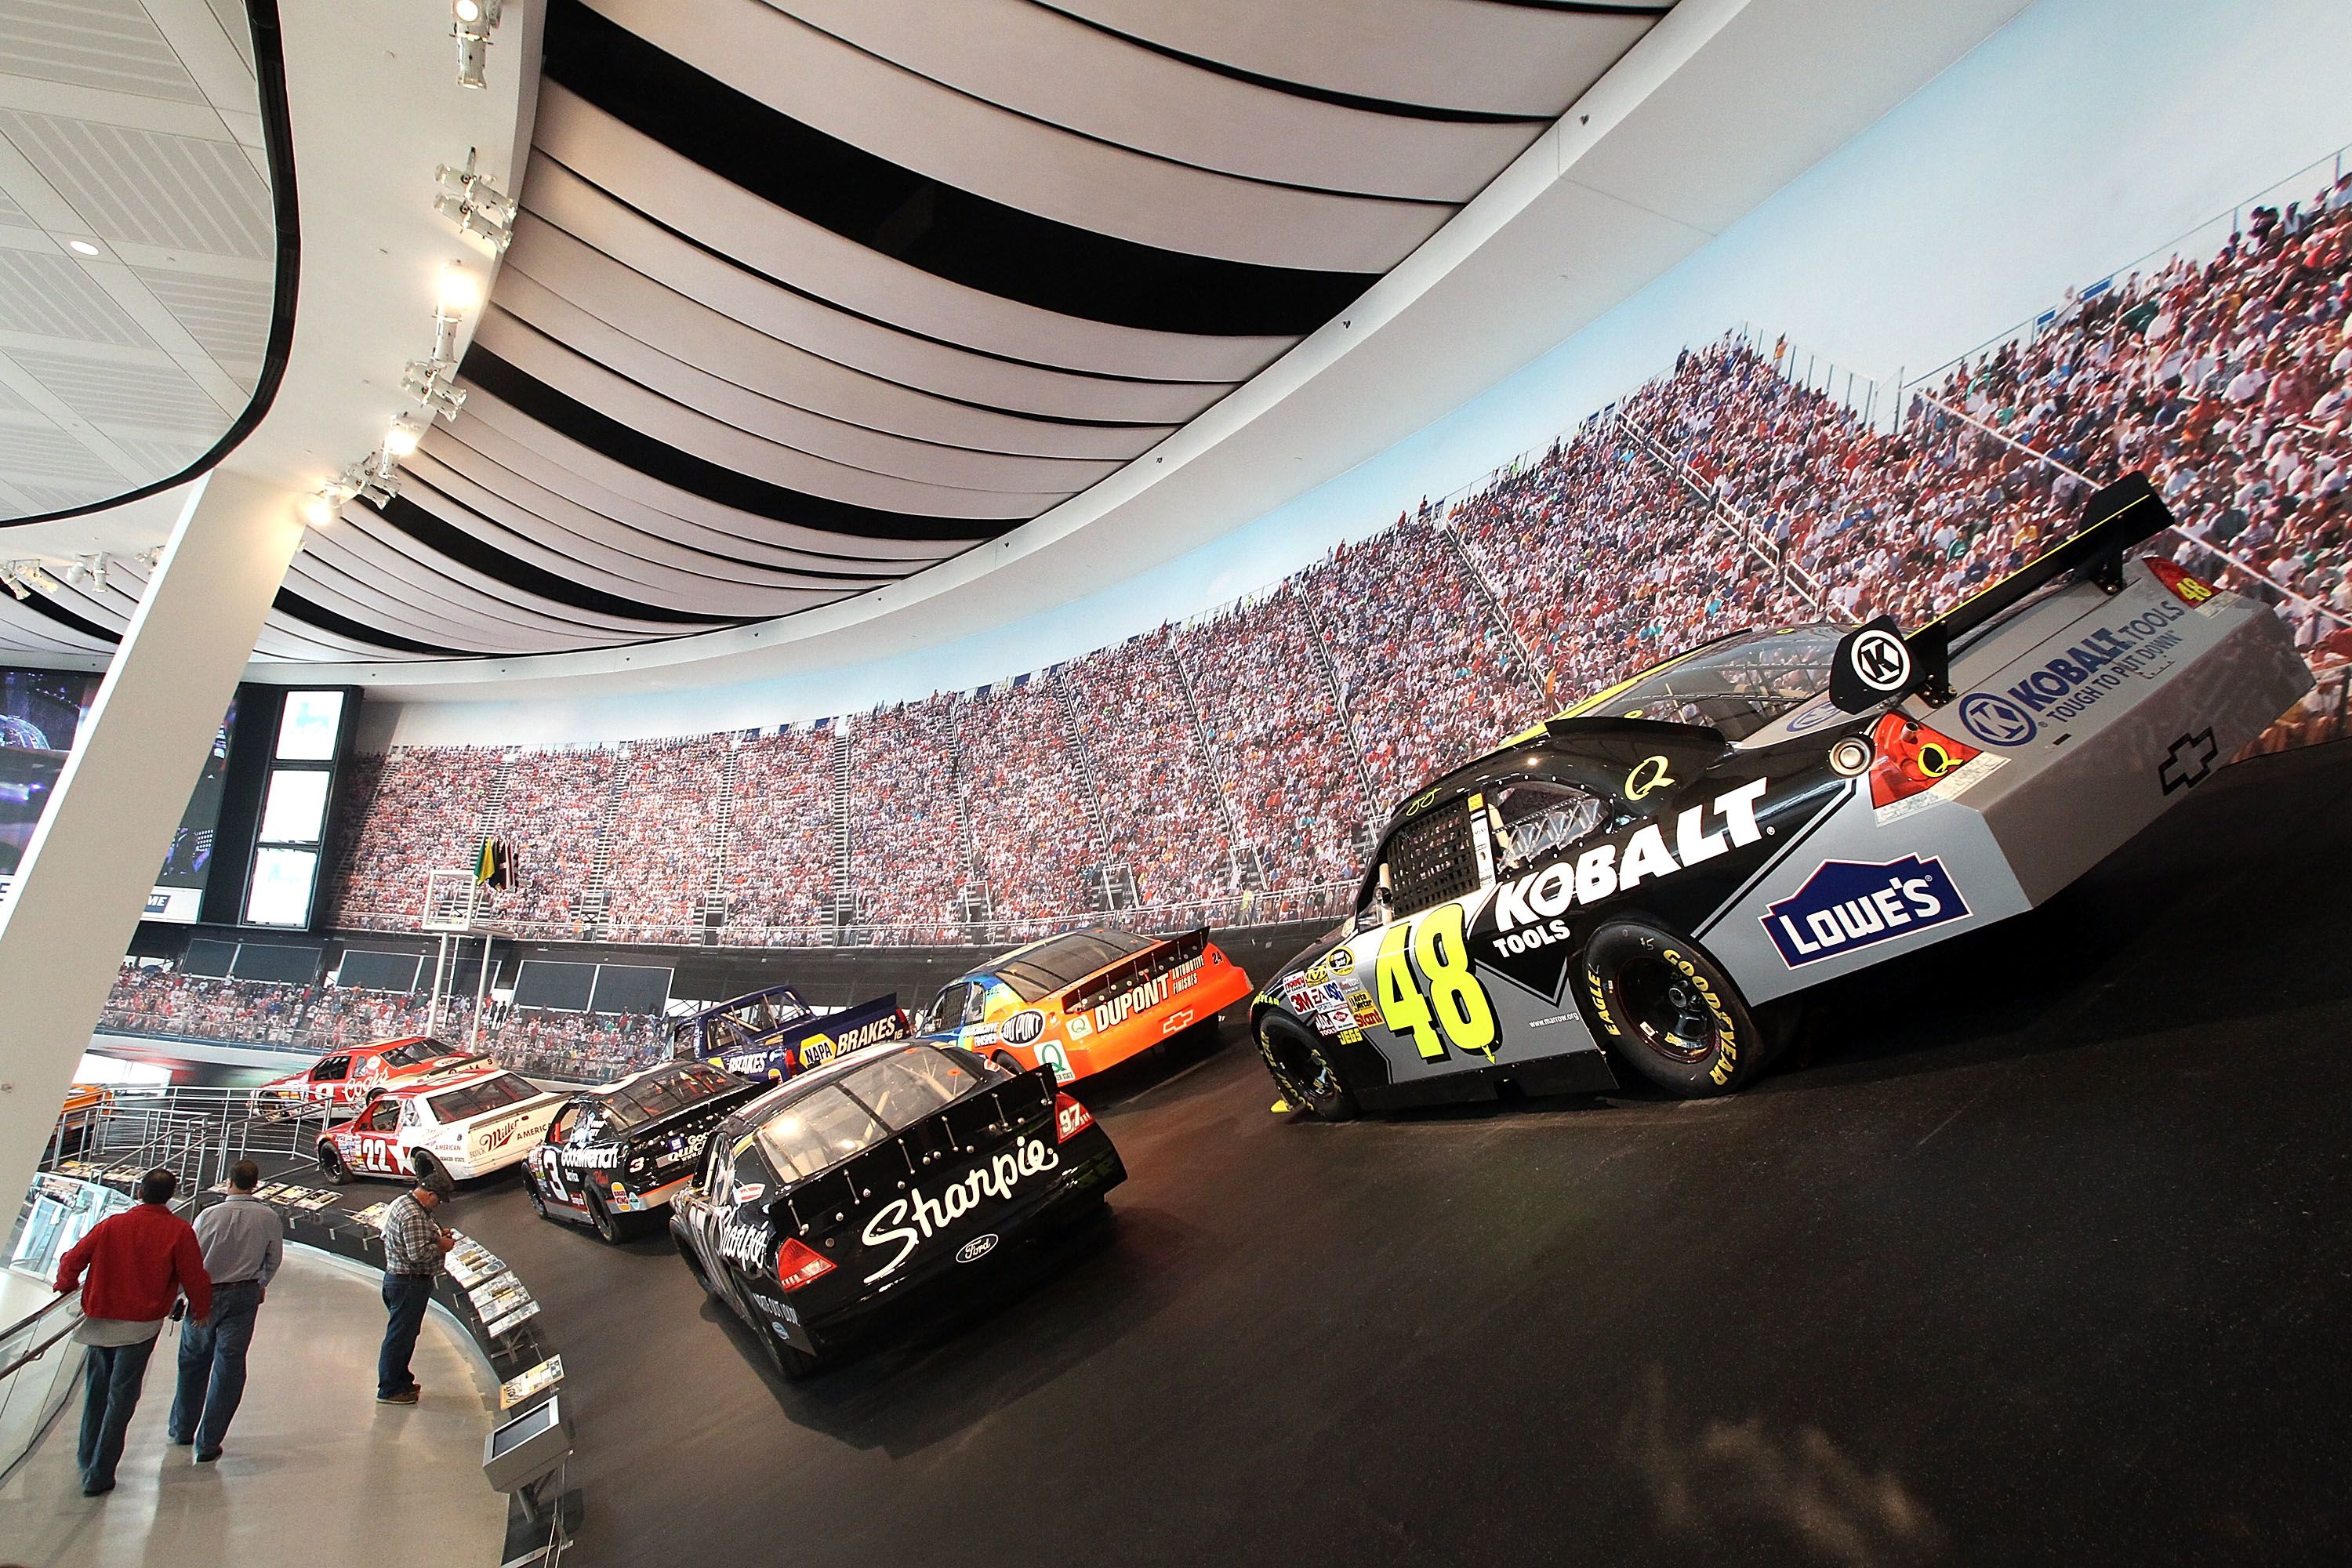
column 1876, row 662
column 976, row 1125
column 1127, row 972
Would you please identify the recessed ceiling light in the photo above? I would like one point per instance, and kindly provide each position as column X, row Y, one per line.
column 83, row 246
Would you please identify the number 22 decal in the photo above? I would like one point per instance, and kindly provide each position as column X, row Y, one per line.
column 1454, row 1002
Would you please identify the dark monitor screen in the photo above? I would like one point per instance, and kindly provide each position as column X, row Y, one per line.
column 367, row 969
column 631, row 988
column 208, row 958
column 545, row 982
column 289, row 965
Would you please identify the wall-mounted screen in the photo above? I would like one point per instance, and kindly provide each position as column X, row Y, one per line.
column 295, row 811
column 298, row 787
column 309, row 726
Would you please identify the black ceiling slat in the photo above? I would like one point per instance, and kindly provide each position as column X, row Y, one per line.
column 925, row 223
column 1327, row 95
column 491, row 562
column 295, row 607
column 659, row 459
column 65, row 618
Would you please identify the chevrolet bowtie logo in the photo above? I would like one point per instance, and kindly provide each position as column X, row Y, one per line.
column 2189, row 760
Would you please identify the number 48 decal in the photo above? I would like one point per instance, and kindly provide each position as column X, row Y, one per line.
column 1453, row 1001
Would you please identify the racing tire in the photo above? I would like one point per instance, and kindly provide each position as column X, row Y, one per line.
column 1302, row 1071
column 609, row 1229
column 1007, row 1060
column 426, row 1167
column 1669, row 1012
column 332, row 1166
column 538, row 1202
column 693, row 1264
column 792, row 1362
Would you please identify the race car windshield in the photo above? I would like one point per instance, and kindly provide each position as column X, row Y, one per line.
column 479, row 1099
column 657, row 1094
column 1737, row 686
column 410, row 1056
column 851, row 1113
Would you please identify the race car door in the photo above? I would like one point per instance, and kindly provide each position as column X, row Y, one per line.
column 558, row 1181
column 327, row 1081
column 374, row 1144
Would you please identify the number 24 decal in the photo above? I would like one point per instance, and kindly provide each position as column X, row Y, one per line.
column 1448, row 998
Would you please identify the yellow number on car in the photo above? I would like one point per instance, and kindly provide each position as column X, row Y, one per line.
column 1442, row 951
column 1401, row 1006
column 1441, row 948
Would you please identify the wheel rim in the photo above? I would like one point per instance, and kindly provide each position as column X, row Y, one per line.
column 1318, row 1079
column 1664, row 1011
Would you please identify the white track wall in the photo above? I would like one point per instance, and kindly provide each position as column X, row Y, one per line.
column 2085, row 135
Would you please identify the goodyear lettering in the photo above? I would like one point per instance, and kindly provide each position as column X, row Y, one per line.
column 1604, row 870
column 905, row 1222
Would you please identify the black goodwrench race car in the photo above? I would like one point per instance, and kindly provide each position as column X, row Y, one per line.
column 615, row 1154
column 1631, row 885
column 846, row 1189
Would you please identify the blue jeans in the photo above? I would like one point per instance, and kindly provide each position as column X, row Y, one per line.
column 111, row 1379
column 212, row 1366
column 406, row 1296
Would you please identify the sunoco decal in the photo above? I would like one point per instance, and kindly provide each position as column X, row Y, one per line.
column 2066, row 687
column 1846, row 905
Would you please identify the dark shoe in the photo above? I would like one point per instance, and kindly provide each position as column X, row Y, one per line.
column 88, row 1490
column 206, row 1456
column 406, row 1396
column 178, row 1442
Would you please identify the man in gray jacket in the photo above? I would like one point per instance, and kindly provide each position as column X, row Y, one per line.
column 243, row 1243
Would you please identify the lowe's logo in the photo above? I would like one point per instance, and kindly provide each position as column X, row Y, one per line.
column 1847, row 904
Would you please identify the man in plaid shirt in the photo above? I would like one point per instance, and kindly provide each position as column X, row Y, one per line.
column 414, row 1246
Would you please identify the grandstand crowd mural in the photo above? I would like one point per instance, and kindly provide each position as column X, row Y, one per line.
column 1230, row 768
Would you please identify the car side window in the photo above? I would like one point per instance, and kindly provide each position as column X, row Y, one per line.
column 586, row 1128
column 998, row 998
column 412, row 1113
column 382, row 1116
column 975, row 1002
column 332, row 1070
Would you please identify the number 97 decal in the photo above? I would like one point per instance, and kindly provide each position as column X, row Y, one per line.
column 1447, row 996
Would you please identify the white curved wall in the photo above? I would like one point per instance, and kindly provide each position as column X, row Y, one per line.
column 2085, row 135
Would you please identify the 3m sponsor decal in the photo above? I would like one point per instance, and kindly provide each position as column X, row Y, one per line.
column 2189, row 761
column 907, row 1222
column 2065, row 688
column 1847, row 905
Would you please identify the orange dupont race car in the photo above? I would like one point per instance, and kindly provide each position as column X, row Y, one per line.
column 1085, row 999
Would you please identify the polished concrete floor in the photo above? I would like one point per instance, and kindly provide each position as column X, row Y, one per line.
column 313, row 1471
column 2042, row 1254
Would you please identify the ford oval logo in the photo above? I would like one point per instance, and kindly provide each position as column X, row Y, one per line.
column 979, row 1247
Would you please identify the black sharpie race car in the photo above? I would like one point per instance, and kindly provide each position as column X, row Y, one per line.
column 614, row 1154
column 841, row 1192
column 773, row 1034
column 1624, row 887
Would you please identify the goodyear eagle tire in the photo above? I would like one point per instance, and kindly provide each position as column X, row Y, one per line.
column 1665, row 1009
column 332, row 1166
column 1302, row 1069
column 693, row 1264
column 609, row 1228
column 538, row 1199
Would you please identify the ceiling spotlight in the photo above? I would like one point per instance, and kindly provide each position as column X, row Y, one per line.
column 77, row 574
column 81, row 246
column 471, row 21
column 31, row 571
column 432, row 382
column 13, row 583
column 150, row 556
column 93, row 570
column 459, row 293
column 319, row 510
column 402, row 438
column 479, row 209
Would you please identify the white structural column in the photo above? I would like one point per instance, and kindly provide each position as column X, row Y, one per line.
column 85, row 877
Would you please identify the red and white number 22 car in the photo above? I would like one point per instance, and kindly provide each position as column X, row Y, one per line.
column 465, row 1123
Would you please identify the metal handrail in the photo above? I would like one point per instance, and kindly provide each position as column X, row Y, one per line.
column 26, row 1321
column 38, row 1351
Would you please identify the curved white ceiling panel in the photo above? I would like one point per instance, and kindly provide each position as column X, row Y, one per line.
column 579, row 209
column 720, row 215
column 634, row 310
column 808, row 297
column 1492, row 57
column 1118, row 92
column 580, row 355
column 910, row 121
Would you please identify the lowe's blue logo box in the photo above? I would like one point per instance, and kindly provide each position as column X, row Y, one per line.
column 1850, row 904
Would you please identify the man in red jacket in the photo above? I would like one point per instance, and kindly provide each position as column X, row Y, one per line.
column 139, row 1262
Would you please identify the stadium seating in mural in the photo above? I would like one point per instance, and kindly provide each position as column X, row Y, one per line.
column 1229, row 769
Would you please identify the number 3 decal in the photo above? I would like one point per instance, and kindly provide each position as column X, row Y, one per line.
column 1442, row 955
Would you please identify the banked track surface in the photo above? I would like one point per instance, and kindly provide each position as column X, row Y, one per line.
column 2039, row 1258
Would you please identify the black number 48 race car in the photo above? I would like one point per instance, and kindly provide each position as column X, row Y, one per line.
column 856, row 1184
column 1634, row 885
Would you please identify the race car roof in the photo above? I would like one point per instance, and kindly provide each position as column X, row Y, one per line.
column 1058, row 962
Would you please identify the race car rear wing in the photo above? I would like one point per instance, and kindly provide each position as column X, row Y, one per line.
column 976, row 1125
column 1876, row 662
column 1127, row 972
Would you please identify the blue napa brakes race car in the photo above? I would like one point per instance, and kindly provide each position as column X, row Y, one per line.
column 775, row 1034
column 1633, row 886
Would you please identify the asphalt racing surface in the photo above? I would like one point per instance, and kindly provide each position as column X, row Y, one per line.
column 2045, row 1254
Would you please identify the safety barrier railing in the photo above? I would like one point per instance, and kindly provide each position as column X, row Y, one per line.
column 38, row 1368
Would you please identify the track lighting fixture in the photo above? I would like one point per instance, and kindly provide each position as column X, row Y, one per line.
column 432, row 382
column 470, row 24
column 402, row 438
column 479, row 209
column 13, row 583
